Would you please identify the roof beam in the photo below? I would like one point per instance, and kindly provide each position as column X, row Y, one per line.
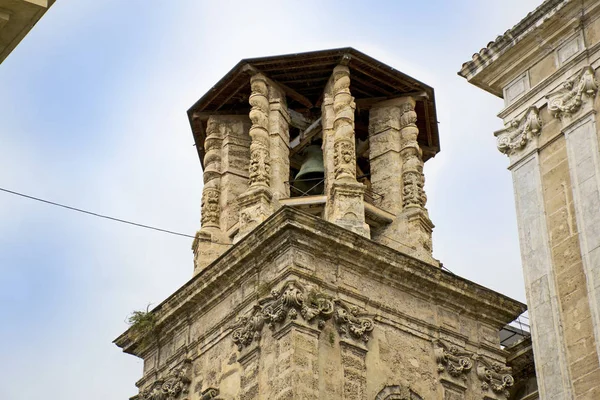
column 291, row 93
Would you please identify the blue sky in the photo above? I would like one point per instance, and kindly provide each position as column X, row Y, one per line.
column 93, row 114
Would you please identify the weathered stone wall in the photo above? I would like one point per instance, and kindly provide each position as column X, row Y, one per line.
column 289, row 322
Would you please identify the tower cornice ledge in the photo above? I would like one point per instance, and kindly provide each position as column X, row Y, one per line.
column 289, row 229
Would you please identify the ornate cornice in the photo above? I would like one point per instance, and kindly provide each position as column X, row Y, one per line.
column 569, row 98
column 294, row 300
column 519, row 132
column 288, row 228
column 453, row 360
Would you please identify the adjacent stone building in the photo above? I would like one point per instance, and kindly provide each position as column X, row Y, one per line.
column 17, row 17
column 545, row 68
column 313, row 274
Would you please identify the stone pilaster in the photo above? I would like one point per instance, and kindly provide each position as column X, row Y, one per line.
column 279, row 138
column 210, row 241
column 347, row 208
column 255, row 203
column 327, row 118
column 249, row 382
column 397, row 173
column 355, row 370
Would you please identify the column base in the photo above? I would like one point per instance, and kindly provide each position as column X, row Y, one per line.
column 255, row 207
column 208, row 245
column 347, row 207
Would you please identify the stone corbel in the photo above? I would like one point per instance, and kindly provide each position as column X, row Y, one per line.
column 175, row 386
column 494, row 376
column 452, row 360
column 293, row 301
column 519, row 132
column 569, row 99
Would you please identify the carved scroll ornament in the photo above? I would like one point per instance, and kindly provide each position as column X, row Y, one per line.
column 295, row 300
column 494, row 376
column 519, row 132
column 173, row 387
column 574, row 91
column 453, row 360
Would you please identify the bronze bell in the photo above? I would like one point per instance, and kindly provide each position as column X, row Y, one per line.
column 310, row 178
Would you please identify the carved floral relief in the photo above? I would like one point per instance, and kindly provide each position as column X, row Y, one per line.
column 519, row 132
column 173, row 387
column 453, row 360
column 210, row 207
column 569, row 99
column 494, row 376
column 292, row 301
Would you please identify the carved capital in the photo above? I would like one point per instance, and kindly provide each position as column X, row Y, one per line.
column 173, row 387
column 569, row 99
column 519, row 132
column 293, row 301
column 494, row 376
column 452, row 360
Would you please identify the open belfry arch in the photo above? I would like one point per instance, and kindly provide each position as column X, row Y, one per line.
column 313, row 269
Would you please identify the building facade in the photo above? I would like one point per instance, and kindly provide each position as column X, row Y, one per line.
column 313, row 274
column 545, row 68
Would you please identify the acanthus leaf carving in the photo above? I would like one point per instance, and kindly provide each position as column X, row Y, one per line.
column 519, row 132
column 453, row 360
column 494, row 376
column 175, row 385
column 292, row 301
column 569, row 99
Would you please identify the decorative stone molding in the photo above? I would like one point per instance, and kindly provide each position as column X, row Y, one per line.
column 494, row 376
column 260, row 163
column 295, row 300
column 453, row 360
column 175, row 386
column 569, row 99
column 397, row 392
column 413, row 180
column 519, row 132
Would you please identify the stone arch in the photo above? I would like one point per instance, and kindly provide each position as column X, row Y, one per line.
column 397, row 392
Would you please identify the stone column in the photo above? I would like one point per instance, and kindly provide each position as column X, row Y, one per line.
column 255, row 203
column 210, row 241
column 419, row 226
column 397, row 173
column 346, row 194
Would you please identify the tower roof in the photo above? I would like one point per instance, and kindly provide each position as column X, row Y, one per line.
column 303, row 77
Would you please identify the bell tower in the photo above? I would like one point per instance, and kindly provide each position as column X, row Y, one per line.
column 344, row 139
column 313, row 268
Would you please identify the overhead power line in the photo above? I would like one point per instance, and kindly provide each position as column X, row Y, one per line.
column 96, row 214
